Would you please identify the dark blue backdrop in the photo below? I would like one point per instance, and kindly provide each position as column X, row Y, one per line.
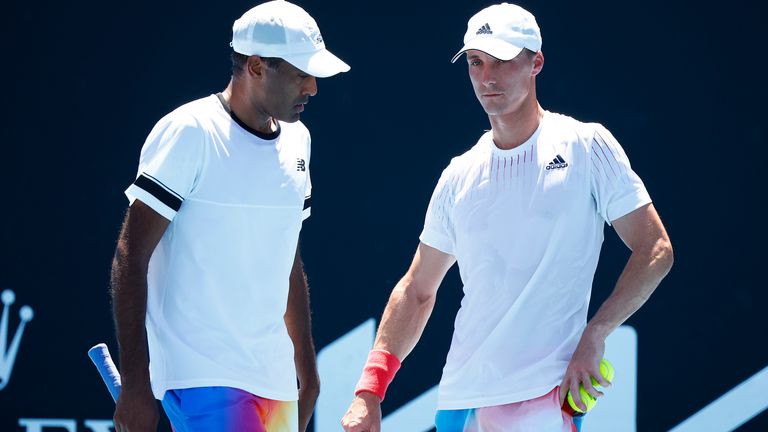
column 678, row 83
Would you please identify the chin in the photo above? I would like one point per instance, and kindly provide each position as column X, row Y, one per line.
column 495, row 111
column 492, row 109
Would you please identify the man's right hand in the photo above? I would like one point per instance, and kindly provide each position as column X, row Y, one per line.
column 136, row 411
column 364, row 414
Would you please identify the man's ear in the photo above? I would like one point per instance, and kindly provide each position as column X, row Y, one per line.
column 255, row 66
column 538, row 63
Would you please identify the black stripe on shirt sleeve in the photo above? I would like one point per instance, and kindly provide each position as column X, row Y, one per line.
column 159, row 191
column 307, row 202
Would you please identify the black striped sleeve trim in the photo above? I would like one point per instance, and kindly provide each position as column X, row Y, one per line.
column 307, row 202
column 158, row 190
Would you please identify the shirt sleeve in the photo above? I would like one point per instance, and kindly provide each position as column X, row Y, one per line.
column 438, row 224
column 308, row 188
column 616, row 188
column 169, row 166
column 307, row 199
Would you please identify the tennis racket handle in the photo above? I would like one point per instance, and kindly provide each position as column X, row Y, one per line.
column 99, row 354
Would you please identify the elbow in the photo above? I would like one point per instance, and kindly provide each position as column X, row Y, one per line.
column 664, row 255
column 310, row 387
column 118, row 269
column 127, row 269
column 426, row 300
column 415, row 292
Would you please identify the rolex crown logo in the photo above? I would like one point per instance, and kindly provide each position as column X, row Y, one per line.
column 8, row 354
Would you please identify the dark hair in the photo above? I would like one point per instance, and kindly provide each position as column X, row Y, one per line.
column 529, row 53
column 239, row 61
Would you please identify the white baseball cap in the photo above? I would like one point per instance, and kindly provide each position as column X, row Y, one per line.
column 501, row 30
column 282, row 29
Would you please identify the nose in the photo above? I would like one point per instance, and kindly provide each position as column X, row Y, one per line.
column 487, row 77
column 310, row 86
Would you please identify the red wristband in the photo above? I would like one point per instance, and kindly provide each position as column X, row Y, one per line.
column 378, row 372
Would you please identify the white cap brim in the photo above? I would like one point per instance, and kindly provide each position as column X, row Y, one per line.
column 321, row 64
column 494, row 47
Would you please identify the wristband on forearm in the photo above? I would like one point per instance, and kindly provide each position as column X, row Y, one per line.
column 378, row 372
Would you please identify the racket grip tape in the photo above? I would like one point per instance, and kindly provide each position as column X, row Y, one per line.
column 99, row 354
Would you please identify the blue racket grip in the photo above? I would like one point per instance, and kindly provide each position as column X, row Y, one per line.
column 99, row 354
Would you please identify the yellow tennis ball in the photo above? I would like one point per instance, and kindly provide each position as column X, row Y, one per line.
column 587, row 398
column 606, row 369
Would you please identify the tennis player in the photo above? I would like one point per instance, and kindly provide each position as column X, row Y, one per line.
column 208, row 254
column 522, row 212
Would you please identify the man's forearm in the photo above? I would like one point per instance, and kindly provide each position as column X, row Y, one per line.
column 642, row 274
column 404, row 318
column 129, row 304
column 299, row 325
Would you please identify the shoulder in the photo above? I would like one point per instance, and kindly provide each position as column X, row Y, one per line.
column 191, row 115
column 567, row 128
column 187, row 126
column 477, row 153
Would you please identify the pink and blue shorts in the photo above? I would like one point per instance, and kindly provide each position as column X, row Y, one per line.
column 226, row 409
column 542, row 414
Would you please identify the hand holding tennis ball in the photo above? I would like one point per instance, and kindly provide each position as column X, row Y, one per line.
column 606, row 369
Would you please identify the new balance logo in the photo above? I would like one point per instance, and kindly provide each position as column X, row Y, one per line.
column 7, row 358
column 485, row 29
column 301, row 165
column 557, row 163
column 317, row 38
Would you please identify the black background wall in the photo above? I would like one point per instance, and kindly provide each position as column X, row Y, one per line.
column 680, row 84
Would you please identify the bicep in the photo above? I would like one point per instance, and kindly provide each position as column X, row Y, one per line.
column 640, row 228
column 142, row 230
column 297, row 269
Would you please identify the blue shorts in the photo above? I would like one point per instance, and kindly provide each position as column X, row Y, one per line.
column 225, row 409
column 542, row 414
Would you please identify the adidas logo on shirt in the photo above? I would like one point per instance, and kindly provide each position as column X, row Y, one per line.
column 486, row 29
column 301, row 165
column 557, row 163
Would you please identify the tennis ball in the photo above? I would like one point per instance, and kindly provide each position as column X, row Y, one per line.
column 606, row 369
column 587, row 398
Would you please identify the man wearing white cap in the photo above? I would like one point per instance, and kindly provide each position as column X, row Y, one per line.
column 207, row 273
column 522, row 212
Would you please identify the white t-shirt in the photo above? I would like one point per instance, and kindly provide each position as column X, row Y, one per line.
column 218, row 279
column 526, row 227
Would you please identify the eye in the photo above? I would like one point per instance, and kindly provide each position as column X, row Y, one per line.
column 474, row 62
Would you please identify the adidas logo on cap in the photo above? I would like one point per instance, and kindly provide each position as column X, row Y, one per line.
column 557, row 163
column 485, row 29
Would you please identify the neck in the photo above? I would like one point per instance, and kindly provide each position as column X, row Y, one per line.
column 513, row 129
column 236, row 95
